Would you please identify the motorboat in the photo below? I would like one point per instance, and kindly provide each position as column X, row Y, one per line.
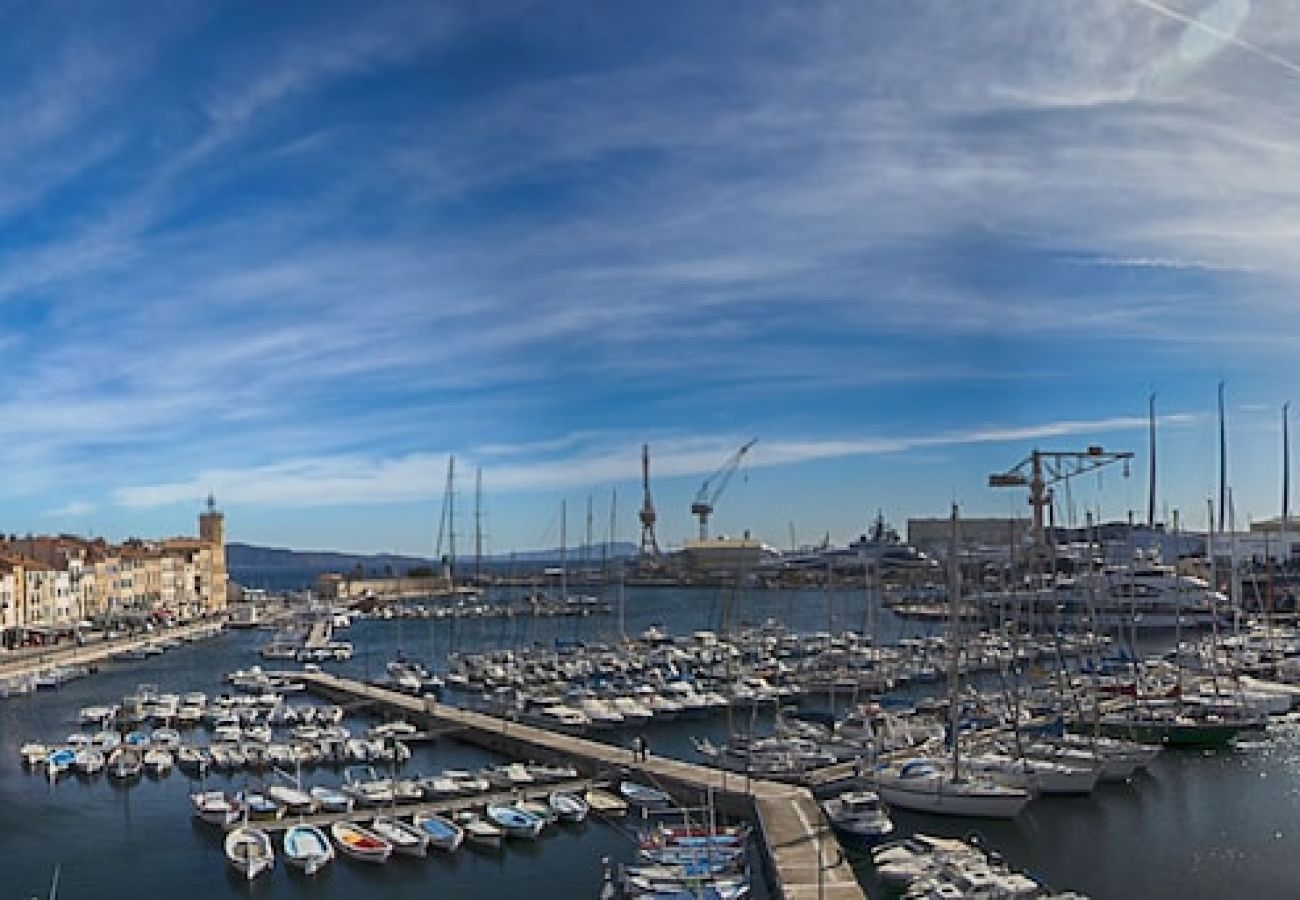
column 332, row 801
column 249, row 851
column 295, row 801
column 307, row 848
column 360, row 843
column 859, row 815
column 59, row 761
column 215, row 807
column 158, row 761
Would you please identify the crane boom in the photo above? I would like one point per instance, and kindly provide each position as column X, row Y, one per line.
column 705, row 498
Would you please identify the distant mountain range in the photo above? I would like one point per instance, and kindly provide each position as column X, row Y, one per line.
column 250, row 564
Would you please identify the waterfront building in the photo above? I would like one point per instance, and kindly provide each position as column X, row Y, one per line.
column 50, row 584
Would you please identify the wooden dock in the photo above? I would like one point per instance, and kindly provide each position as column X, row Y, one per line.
column 802, row 854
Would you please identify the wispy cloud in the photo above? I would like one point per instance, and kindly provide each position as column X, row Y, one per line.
column 73, row 509
column 334, row 481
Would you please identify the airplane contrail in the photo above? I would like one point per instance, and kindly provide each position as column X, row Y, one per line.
column 1222, row 35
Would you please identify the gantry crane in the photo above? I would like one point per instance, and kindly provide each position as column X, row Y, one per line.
column 1048, row 467
column 705, row 498
column 649, row 542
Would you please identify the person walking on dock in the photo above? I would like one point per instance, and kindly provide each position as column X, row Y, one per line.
column 638, row 748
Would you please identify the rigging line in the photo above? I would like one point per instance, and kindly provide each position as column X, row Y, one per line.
column 1193, row 22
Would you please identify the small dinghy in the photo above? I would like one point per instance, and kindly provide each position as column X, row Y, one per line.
column 404, row 837
column 307, row 848
column 215, row 808
column 89, row 761
column 569, row 807
column 646, row 797
column 330, row 800
column 480, row 832
column 59, row 762
column 359, row 843
column 294, row 801
column 260, row 805
column 606, row 804
column 249, row 851
column 443, row 833
column 125, row 762
column 514, row 821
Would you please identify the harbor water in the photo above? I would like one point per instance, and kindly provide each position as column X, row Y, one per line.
column 1198, row 824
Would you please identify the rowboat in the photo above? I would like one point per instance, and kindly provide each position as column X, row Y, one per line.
column 644, row 796
column 89, row 761
column 249, row 851
column 125, row 762
column 514, row 821
column 306, row 847
column 569, row 807
column 479, row 832
column 443, row 833
column 404, row 837
column 359, row 843
column 604, row 803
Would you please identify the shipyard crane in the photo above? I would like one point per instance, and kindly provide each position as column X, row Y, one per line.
column 713, row 487
column 1043, row 468
column 647, row 515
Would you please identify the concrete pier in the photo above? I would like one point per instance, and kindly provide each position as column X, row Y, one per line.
column 31, row 661
column 802, row 854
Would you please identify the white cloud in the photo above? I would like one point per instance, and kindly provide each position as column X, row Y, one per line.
column 340, row 481
column 73, row 509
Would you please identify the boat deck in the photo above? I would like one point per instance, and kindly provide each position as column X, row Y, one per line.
column 803, row 855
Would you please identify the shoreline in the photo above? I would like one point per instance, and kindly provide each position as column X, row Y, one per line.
column 20, row 664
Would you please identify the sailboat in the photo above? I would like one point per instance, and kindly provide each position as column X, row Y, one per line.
column 928, row 785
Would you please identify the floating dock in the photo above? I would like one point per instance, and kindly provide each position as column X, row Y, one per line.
column 802, row 854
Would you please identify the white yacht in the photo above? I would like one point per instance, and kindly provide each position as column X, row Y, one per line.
column 1145, row 595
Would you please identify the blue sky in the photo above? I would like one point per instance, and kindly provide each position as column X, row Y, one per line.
column 298, row 253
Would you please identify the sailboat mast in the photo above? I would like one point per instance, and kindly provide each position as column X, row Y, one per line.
column 1284, row 553
column 1151, row 479
column 451, row 522
column 1223, row 461
column 478, row 525
column 564, row 539
column 586, row 547
column 954, row 678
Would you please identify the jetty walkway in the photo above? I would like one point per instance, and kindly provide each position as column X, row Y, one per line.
column 802, row 854
column 34, row 660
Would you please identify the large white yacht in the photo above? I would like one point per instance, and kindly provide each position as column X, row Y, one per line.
column 1144, row 595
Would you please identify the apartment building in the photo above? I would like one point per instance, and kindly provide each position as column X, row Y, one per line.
column 54, row 582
